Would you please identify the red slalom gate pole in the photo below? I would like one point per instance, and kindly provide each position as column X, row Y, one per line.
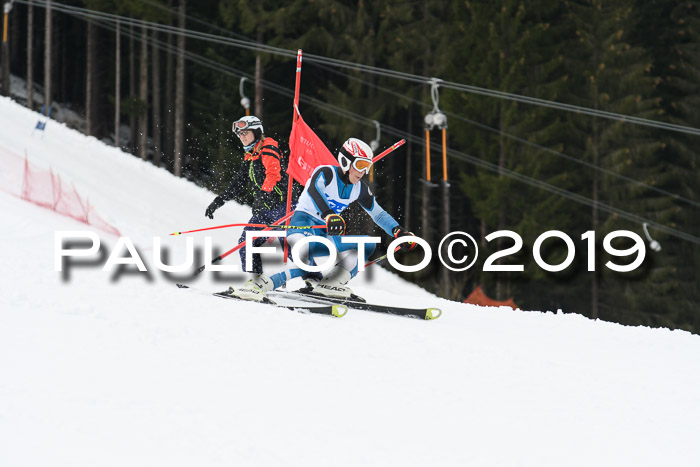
column 297, row 85
column 290, row 183
column 395, row 146
column 295, row 110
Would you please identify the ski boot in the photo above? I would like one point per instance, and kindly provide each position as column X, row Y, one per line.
column 255, row 289
column 333, row 285
column 311, row 279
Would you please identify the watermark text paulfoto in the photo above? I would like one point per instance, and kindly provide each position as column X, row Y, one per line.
column 457, row 251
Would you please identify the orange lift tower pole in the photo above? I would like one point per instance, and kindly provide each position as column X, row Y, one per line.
column 438, row 120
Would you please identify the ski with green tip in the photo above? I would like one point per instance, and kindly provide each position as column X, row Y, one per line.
column 335, row 310
column 358, row 303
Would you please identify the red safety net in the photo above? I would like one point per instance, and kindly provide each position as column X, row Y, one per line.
column 45, row 188
column 478, row 297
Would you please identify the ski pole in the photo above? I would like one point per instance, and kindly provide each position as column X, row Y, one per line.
column 214, row 228
column 241, row 245
column 382, row 258
column 275, row 226
column 282, row 226
column 392, row 148
column 224, row 255
column 280, row 220
column 299, row 227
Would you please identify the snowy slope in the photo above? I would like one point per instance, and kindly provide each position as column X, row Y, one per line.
column 98, row 370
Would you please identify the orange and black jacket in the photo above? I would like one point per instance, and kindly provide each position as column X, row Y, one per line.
column 261, row 172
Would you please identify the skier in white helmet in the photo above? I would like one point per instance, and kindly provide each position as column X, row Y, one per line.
column 260, row 172
column 328, row 192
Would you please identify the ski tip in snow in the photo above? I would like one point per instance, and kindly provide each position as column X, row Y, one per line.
column 433, row 313
column 339, row 311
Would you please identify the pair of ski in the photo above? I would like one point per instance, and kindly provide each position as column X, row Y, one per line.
column 336, row 307
column 359, row 303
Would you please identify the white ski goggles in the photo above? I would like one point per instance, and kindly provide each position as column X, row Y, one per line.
column 361, row 165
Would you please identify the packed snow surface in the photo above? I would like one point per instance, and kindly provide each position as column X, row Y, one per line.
column 99, row 368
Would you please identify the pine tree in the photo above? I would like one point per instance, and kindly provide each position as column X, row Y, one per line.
column 678, row 69
column 513, row 47
column 614, row 76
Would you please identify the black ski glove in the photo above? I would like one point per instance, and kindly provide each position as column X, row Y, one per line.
column 216, row 204
column 401, row 232
column 335, row 224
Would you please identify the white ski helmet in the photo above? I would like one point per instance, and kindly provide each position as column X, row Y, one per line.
column 356, row 153
column 248, row 123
